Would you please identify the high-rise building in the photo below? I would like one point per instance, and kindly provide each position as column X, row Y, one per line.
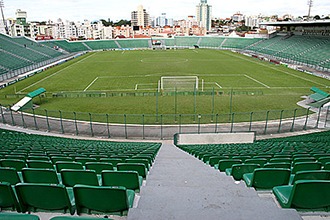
column 140, row 17
column 204, row 15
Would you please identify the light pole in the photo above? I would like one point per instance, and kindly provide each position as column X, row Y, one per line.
column 3, row 17
column 310, row 5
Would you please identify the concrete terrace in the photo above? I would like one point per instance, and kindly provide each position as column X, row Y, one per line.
column 180, row 186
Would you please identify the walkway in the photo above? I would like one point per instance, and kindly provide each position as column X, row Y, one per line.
column 180, row 186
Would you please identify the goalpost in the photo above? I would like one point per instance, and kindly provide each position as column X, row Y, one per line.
column 179, row 83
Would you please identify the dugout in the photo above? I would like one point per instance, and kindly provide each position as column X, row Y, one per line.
column 27, row 101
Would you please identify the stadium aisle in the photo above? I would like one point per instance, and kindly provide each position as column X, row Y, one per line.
column 180, row 186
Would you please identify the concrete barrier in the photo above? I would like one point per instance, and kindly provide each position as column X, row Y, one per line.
column 215, row 138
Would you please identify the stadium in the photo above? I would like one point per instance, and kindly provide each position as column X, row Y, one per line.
column 210, row 127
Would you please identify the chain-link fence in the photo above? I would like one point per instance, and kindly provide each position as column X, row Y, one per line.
column 164, row 126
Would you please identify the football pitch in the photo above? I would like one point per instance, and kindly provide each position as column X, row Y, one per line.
column 129, row 82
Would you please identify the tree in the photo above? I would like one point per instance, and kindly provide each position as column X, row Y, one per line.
column 122, row 22
column 106, row 23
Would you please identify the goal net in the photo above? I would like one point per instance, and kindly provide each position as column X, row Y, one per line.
column 179, row 83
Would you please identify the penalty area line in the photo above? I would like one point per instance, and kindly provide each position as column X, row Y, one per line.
column 91, row 84
column 268, row 87
column 218, row 85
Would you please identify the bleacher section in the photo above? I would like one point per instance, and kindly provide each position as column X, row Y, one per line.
column 22, row 54
column 211, row 42
column 133, row 43
column 102, row 44
column 276, row 163
column 35, row 164
column 186, row 41
column 67, row 46
column 18, row 53
column 312, row 50
column 239, row 43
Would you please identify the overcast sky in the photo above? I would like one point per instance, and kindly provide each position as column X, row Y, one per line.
column 78, row 10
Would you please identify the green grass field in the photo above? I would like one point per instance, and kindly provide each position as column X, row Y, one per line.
column 256, row 85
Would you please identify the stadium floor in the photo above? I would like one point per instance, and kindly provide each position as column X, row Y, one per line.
column 180, row 186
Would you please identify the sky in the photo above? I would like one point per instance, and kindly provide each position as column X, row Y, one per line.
column 78, row 10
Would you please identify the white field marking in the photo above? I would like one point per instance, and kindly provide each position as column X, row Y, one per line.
column 144, row 84
column 220, row 75
column 160, row 61
column 195, row 51
column 257, row 81
column 270, row 67
column 123, row 52
column 103, row 77
column 55, row 73
column 91, row 84
column 217, row 85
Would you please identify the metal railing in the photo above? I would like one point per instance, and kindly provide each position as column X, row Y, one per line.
column 164, row 126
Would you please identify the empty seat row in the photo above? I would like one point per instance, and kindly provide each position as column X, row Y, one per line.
column 125, row 176
column 105, row 164
column 33, row 197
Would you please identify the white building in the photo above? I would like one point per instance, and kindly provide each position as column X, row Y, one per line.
column 252, row 21
column 204, row 15
column 140, row 17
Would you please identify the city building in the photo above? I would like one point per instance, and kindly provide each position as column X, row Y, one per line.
column 204, row 15
column 140, row 17
column 21, row 28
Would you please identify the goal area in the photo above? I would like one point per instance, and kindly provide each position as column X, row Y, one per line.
column 179, row 83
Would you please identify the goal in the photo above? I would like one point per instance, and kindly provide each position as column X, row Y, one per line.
column 179, row 83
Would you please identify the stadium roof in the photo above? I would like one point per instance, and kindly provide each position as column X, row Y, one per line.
column 298, row 23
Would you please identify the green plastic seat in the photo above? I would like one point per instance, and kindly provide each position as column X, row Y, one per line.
column 128, row 179
column 84, row 160
column 36, row 197
column 78, row 218
column 310, row 175
column 227, row 163
column 144, row 161
column 68, row 165
column 9, row 174
column 8, row 200
column 113, row 161
column 103, row 199
column 327, row 166
column 303, row 159
column 145, row 156
column 243, row 158
column 237, row 170
column 215, row 160
column 39, row 175
column 71, row 177
column 303, row 166
column 98, row 166
column 139, row 167
column 17, row 216
column 304, row 194
column 40, row 164
column 55, row 159
column 267, row 178
column 278, row 165
column 40, row 158
column 15, row 157
column 260, row 161
column 324, row 160
column 281, row 160
column 15, row 163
